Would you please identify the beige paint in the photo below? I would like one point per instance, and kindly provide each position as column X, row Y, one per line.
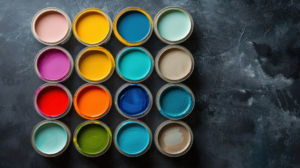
column 174, row 138
column 175, row 64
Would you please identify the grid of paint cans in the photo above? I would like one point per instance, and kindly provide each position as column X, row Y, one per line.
column 133, row 27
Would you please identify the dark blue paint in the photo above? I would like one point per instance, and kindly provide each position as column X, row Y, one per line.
column 133, row 100
column 133, row 26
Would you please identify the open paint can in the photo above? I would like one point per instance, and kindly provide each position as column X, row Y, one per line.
column 173, row 25
column 95, row 64
column 51, row 26
column 173, row 138
column 52, row 101
column 174, row 63
column 133, row 100
column 132, row 138
column 133, row 26
column 175, row 101
column 134, row 64
column 50, row 138
column 92, row 27
column 92, row 101
column 53, row 64
column 92, row 138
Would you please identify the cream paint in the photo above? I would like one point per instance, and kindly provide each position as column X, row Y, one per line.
column 175, row 64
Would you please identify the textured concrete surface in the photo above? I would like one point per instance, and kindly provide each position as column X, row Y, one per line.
column 246, row 83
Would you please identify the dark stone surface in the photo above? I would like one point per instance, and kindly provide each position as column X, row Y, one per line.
column 246, row 83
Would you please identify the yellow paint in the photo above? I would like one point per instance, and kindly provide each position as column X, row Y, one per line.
column 95, row 64
column 91, row 26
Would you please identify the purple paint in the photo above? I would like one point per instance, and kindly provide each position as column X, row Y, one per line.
column 53, row 64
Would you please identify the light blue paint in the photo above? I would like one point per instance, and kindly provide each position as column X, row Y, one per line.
column 134, row 64
column 133, row 26
column 175, row 102
column 132, row 138
column 50, row 138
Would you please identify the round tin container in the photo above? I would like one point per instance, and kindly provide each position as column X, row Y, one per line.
column 136, row 100
column 135, row 67
column 132, row 21
column 92, row 101
column 173, row 25
column 175, row 101
column 173, row 138
column 51, row 22
column 50, row 138
column 94, row 64
column 88, row 133
column 53, row 64
column 174, row 63
column 136, row 138
column 95, row 29
column 55, row 95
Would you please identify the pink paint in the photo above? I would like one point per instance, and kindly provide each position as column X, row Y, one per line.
column 53, row 64
column 51, row 26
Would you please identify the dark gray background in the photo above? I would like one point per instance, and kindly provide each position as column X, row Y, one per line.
column 246, row 84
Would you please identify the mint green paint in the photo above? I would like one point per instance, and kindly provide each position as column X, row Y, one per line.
column 174, row 25
column 50, row 138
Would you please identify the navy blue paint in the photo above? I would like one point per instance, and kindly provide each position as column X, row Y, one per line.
column 133, row 100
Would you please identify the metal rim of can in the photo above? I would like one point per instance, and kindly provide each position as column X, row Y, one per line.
column 163, row 124
column 167, row 9
column 120, row 38
column 137, row 81
column 79, row 90
column 105, row 40
column 64, row 126
column 163, row 88
column 49, row 85
column 52, row 9
column 125, row 86
column 162, row 51
column 58, row 48
column 81, row 125
column 140, row 122
column 102, row 49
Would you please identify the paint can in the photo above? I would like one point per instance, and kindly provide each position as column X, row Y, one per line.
column 92, row 101
column 175, row 101
column 50, row 138
column 52, row 101
column 53, row 64
column 92, row 27
column 174, row 63
column 173, row 25
column 134, row 64
column 94, row 64
column 133, row 100
column 92, row 138
column 173, row 138
column 51, row 26
column 132, row 138
column 133, row 26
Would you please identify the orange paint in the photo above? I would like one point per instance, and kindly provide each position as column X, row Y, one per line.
column 92, row 101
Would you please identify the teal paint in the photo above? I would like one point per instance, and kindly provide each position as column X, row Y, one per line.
column 175, row 102
column 50, row 138
column 174, row 25
column 133, row 26
column 132, row 138
column 134, row 63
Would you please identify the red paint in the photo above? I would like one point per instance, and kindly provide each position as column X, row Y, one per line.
column 52, row 101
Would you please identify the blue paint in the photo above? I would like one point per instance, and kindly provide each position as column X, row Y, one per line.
column 175, row 102
column 133, row 100
column 132, row 138
column 134, row 63
column 133, row 26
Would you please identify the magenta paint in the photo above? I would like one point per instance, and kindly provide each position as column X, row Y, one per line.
column 53, row 64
